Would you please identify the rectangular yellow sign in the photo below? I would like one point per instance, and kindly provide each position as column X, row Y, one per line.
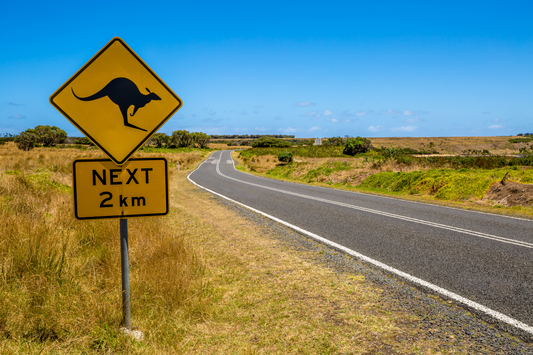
column 136, row 189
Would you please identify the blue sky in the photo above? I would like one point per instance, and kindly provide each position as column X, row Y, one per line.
column 308, row 68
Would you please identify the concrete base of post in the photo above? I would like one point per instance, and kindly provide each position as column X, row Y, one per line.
column 135, row 334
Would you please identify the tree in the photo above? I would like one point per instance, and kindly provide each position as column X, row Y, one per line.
column 26, row 140
column 269, row 142
column 181, row 139
column 50, row 136
column 285, row 157
column 160, row 139
column 337, row 141
column 201, row 139
column 356, row 145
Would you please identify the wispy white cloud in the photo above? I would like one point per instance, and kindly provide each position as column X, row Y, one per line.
column 391, row 112
column 312, row 115
column 375, row 128
column 303, row 103
column 328, row 113
column 413, row 120
column 495, row 126
column 288, row 130
column 404, row 129
column 262, row 129
column 314, row 128
column 413, row 113
column 17, row 117
column 333, row 119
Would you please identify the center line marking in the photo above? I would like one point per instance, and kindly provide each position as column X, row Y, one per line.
column 415, row 280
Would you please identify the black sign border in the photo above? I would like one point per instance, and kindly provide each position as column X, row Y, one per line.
column 82, row 69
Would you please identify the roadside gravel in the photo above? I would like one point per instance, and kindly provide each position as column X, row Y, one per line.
column 443, row 319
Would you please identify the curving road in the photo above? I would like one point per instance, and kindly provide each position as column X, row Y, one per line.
column 482, row 260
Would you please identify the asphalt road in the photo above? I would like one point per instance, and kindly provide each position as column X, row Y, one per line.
column 482, row 257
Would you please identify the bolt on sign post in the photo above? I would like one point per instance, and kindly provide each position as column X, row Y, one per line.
column 118, row 102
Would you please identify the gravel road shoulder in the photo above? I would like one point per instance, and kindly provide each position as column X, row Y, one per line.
column 443, row 319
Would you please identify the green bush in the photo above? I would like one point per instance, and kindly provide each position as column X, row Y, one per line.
column 26, row 140
column 160, row 140
column 285, row 157
column 83, row 140
column 49, row 136
column 336, row 141
column 270, row 142
column 356, row 145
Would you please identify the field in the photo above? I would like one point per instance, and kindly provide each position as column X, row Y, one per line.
column 467, row 173
column 204, row 280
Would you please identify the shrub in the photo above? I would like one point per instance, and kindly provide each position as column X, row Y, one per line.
column 160, row 140
column 356, row 145
column 391, row 153
column 26, row 140
column 83, row 140
column 336, row 141
column 200, row 139
column 285, row 157
column 270, row 142
column 181, row 139
column 49, row 136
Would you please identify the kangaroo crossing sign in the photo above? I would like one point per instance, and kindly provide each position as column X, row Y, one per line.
column 139, row 188
column 116, row 100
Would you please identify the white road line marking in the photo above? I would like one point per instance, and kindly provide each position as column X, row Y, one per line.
column 387, row 214
column 415, row 280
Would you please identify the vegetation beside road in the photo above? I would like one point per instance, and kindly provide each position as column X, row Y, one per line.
column 204, row 280
column 459, row 180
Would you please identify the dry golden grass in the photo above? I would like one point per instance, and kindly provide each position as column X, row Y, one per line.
column 452, row 145
column 60, row 278
column 204, row 280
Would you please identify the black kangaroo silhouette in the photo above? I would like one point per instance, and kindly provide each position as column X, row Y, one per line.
column 124, row 93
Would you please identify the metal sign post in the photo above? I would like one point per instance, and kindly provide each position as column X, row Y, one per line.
column 126, row 315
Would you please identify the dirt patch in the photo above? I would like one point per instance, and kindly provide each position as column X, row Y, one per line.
column 510, row 194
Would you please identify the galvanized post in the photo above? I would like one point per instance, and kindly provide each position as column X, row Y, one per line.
column 126, row 320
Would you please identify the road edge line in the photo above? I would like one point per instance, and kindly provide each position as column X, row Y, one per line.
column 412, row 279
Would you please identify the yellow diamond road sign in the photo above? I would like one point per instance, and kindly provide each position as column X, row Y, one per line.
column 116, row 100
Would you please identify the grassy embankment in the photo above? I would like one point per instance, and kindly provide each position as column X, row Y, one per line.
column 203, row 279
column 460, row 181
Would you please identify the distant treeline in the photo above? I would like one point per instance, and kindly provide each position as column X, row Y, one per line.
column 248, row 136
column 6, row 137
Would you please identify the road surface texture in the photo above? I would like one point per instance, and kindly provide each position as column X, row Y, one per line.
column 485, row 261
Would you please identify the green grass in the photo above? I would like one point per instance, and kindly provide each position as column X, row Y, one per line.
column 311, row 175
column 313, row 151
column 175, row 150
column 443, row 184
